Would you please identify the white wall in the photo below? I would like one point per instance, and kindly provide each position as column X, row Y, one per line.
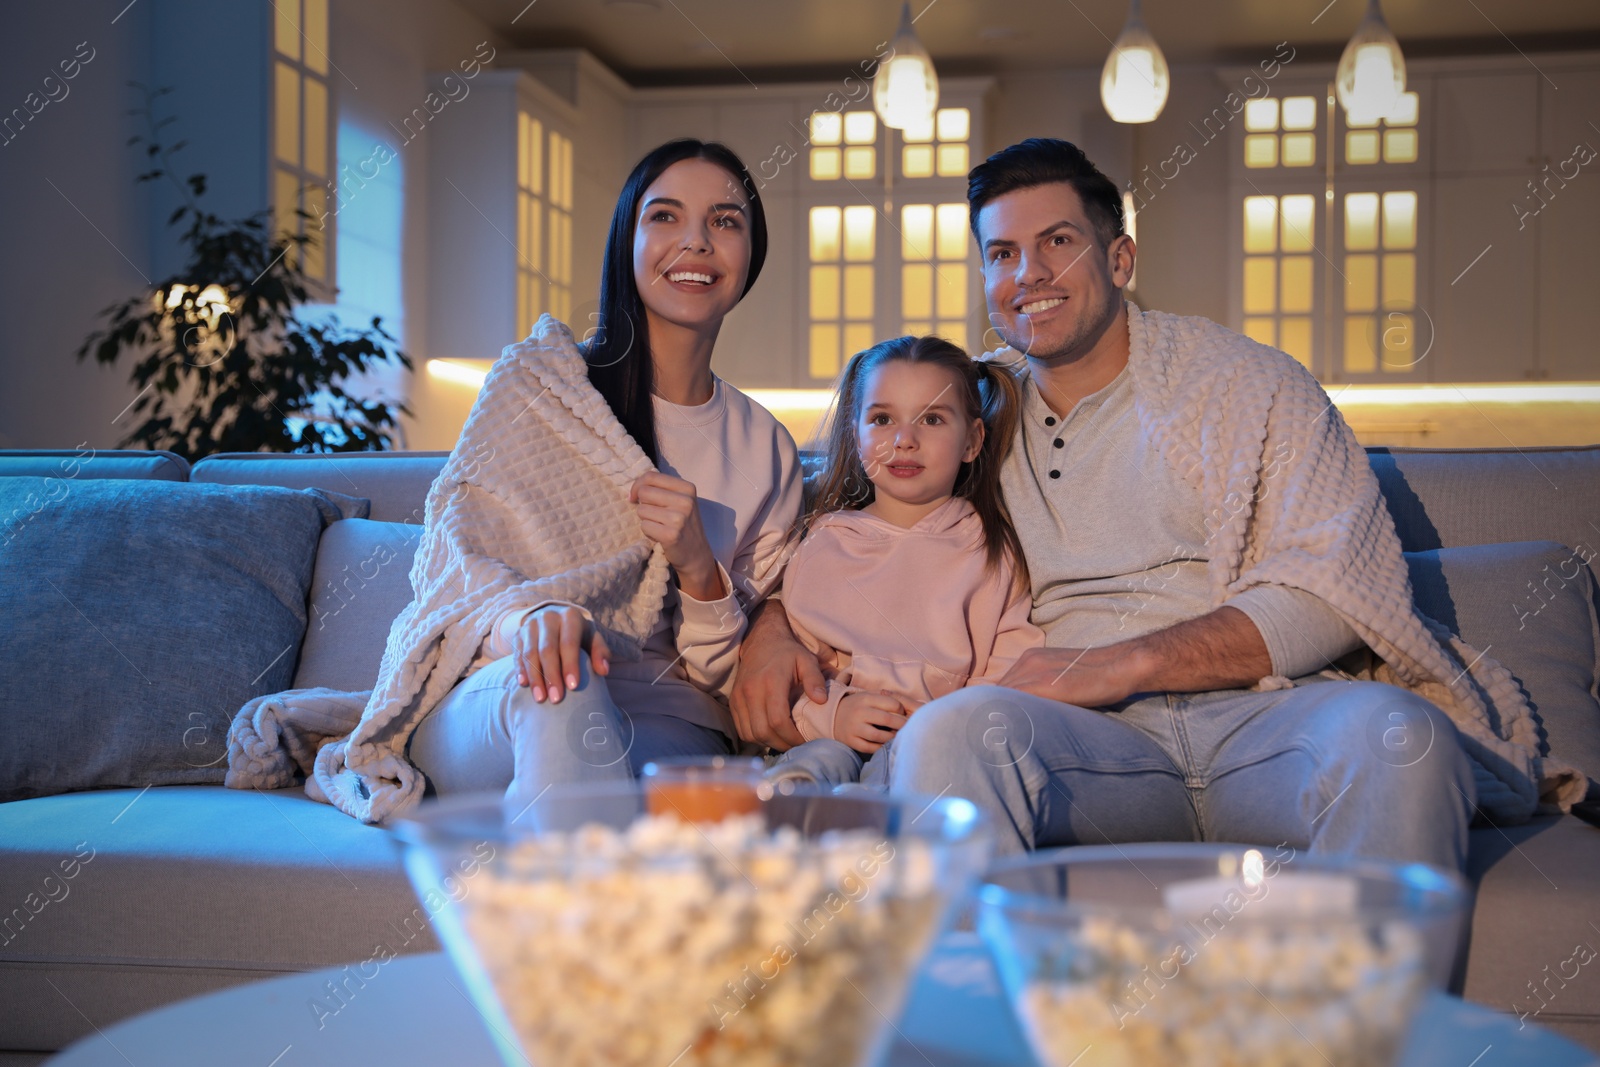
column 76, row 232
column 102, row 238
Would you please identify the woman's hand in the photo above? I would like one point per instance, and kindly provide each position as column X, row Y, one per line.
column 867, row 721
column 670, row 514
column 546, row 650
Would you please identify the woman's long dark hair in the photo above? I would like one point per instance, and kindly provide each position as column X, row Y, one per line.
column 989, row 391
column 619, row 352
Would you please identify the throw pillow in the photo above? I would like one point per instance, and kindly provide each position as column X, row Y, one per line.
column 139, row 616
column 362, row 582
column 1529, row 605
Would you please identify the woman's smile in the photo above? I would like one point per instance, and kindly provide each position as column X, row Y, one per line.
column 692, row 279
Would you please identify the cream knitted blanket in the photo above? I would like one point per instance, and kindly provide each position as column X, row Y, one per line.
column 532, row 505
column 1293, row 501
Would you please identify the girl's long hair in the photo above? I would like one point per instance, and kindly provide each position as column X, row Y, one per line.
column 618, row 353
column 989, row 391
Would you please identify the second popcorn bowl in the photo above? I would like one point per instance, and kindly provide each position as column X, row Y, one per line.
column 592, row 927
column 1214, row 954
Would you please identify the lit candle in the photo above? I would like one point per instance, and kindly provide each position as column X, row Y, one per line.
column 1310, row 894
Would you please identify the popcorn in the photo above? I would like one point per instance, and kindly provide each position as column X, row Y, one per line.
column 700, row 945
column 1339, row 994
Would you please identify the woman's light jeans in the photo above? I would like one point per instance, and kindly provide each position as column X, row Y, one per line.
column 488, row 734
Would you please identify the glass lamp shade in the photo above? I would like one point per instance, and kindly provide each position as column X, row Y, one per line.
column 905, row 91
column 1135, row 81
column 1372, row 72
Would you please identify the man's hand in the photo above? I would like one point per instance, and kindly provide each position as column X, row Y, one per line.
column 866, row 721
column 1219, row 650
column 1087, row 677
column 773, row 668
column 547, row 646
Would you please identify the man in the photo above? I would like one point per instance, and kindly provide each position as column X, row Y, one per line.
column 1205, row 539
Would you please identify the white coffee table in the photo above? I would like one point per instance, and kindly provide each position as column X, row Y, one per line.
column 415, row 1011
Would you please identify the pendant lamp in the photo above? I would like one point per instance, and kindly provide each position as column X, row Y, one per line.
column 1372, row 72
column 905, row 90
column 1135, row 81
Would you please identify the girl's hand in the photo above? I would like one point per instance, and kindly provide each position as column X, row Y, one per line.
column 546, row 650
column 670, row 514
column 866, row 721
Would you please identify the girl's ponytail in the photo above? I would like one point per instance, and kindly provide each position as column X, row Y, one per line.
column 1000, row 396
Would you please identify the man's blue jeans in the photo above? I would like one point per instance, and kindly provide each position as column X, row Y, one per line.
column 1341, row 767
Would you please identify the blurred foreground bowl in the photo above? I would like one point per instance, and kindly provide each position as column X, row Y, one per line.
column 1218, row 955
column 590, row 930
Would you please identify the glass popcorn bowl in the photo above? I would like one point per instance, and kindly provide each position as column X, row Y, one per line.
column 1217, row 955
column 591, row 929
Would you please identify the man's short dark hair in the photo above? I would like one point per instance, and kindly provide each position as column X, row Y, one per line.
column 1043, row 161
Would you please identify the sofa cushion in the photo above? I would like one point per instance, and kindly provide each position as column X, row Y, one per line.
column 396, row 482
column 88, row 462
column 146, row 613
column 1529, row 605
column 127, row 899
column 362, row 581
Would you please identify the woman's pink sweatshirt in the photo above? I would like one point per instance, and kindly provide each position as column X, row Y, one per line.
column 913, row 612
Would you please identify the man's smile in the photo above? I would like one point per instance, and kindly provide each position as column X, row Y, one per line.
column 1041, row 305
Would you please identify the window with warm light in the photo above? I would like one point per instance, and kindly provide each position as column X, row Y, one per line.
column 938, row 147
column 883, row 258
column 842, row 300
column 1280, row 133
column 844, row 145
column 1328, row 267
column 933, row 270
column 1380, row 281
column 544, row 224
column 302, row 131
column 1280, row 271
column 1392, row 139
column 530, row 222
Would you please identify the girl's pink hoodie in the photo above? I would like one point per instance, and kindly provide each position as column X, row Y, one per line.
column 913, row 612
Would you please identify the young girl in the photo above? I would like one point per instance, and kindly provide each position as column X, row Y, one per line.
column 910, row 581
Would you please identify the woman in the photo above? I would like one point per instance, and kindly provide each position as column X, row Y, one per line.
column 544, row 701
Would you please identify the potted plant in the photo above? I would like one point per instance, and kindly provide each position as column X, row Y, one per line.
column 222, row 363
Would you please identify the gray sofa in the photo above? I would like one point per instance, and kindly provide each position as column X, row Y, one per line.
column 178, row 890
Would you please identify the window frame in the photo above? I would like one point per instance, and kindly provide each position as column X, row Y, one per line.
column 310, row 186
column 887, row 261
column 1328, row 181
